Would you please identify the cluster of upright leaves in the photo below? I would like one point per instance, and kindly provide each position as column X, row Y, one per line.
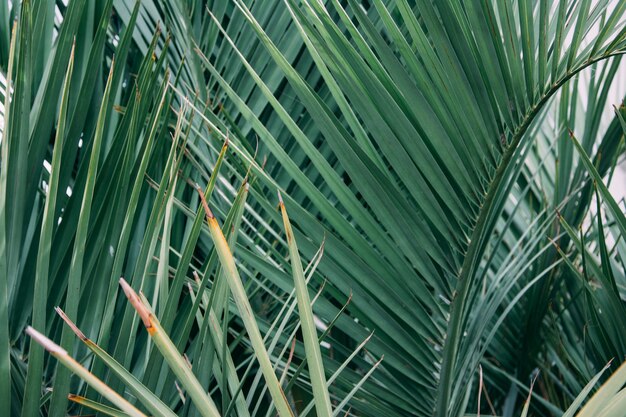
column 70, row 159
column 181, row 366
column 553, row 189
column 594, row 277
column 587, row 292
column 94, row 213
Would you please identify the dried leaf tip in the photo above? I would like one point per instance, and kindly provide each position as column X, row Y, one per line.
column 73, row 49
column 532, row 385
column 46, row 343
column 196, row 277
column 368, row 338
column 112, row 66
column 75, row 398
column 187, row 361
column 136, row 302
column 280, row 198
column 555, row 244
column 207, row 209
column 70, row 323
column 571, row 133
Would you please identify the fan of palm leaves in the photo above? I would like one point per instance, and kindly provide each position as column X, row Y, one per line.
column 427, row 144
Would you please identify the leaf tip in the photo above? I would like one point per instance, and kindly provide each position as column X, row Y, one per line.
column 73, row 48
column 76, row 398
column 280, row 199
column 46, row 343
column 205, row 204
column 136, row 303
column 70, row 323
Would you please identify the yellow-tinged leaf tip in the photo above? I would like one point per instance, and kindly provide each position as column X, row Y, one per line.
column 137, row 304
column 280, row 198
column 76, row 398
column 46, row 343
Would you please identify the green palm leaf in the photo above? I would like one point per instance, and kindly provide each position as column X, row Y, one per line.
column 424, row 142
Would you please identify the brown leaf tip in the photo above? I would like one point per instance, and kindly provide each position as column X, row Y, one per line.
column 71, row 324
column 187, row 361
column 205, row 204
column 134, row 299
column 76, row 398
